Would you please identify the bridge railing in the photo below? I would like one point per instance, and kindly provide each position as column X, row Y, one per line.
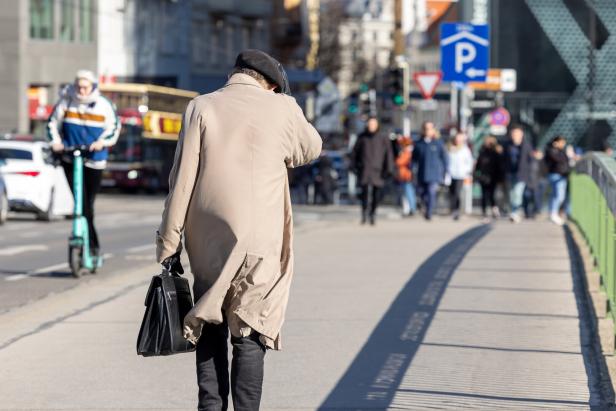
column 593, row 209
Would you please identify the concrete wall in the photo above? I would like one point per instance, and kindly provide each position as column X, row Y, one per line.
column 25, row 61
column 9, row 64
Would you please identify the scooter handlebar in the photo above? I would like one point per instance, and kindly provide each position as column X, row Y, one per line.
column 72, row 149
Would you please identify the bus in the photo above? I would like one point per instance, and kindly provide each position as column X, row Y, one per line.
column 151, row 118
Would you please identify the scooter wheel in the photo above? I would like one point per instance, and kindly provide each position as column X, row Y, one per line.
column 74, row 258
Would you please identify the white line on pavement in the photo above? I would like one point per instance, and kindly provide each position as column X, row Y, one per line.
column 22, row 249
column 47, row 269
column 140, row 248
column 16, row 277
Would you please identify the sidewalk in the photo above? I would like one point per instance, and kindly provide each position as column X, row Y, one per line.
column 405, row 315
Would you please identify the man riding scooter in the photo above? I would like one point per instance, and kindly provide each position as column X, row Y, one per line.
column 83, row 117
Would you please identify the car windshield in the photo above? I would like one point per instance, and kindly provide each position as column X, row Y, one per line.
column 14, row 154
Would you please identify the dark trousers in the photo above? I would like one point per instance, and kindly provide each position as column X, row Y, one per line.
column 455, row 191
column 370, row 196
column 428, row 191
column 213, row 370
column 487, row 197
column 91, row 186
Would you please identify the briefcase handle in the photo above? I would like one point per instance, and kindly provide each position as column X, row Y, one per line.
column 172, row 266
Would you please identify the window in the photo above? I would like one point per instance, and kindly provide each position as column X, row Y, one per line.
column 85, row 20
column 15, row 154
column 41, row 19
column 67, row 22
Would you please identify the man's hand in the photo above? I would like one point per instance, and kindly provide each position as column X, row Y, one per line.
column 97, row 145
column 57, row 147
column 173, row 264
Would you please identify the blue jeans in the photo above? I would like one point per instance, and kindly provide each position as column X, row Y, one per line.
column 516, row 193
column 408, row 190
column 427, row 192
column 558, row 183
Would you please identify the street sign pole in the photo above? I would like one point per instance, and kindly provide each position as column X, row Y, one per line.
column 400, row 61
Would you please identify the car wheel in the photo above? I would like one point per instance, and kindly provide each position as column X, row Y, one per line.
column 4, row 208
column 47, row 215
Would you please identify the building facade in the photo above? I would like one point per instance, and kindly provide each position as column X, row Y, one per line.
column 44, row 43
column 366, row 43
column 188, row 44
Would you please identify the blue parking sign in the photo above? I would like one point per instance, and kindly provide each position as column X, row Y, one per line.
column 464, row 52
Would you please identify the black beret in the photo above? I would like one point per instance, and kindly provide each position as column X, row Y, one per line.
column 266, row 65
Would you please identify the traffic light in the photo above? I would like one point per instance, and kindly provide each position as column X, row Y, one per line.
column 353, row 103
column 399, row 84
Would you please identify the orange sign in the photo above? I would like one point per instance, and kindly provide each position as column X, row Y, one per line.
column 492, row 83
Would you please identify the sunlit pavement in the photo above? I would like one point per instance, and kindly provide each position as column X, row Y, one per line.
column 404, row 315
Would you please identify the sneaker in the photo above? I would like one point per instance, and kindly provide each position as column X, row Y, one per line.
column 495, row 212
column 555, row 218
column 515, row 218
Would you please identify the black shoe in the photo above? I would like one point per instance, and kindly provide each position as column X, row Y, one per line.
column 372, row 220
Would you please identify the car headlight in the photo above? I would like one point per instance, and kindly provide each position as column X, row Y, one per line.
column 132, row 174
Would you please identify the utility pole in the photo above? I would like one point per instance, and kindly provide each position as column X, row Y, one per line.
column 399, row 61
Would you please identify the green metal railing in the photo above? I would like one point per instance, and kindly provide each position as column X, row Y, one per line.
column 593, row 207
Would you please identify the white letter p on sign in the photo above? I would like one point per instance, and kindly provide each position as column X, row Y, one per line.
column 465, row 53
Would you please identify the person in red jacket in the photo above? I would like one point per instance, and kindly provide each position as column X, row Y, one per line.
column 404, row 175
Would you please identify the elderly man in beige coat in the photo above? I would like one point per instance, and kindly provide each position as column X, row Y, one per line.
column 229, row 196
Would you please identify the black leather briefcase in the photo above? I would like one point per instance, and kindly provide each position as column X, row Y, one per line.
column 167, row 302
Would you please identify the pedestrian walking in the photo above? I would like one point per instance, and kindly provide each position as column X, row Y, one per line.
column 489, row 174
column 557, row 164
column 518, row 159
column 460, row 168
column 324, row 181
column 431, row 161
column 404, row 175
column 83, row 116
column 229, row 197
column 372, row 160
column 535, row 187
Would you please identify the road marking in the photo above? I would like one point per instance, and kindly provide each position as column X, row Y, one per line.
column 16, row 277
column 137, row 257
column 22, row 249
column 49, row 268
column 140, row 248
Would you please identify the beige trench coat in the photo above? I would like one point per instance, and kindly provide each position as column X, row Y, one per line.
column 229, row 196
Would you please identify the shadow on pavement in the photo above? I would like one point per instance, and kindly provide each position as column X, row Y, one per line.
column 374, row 376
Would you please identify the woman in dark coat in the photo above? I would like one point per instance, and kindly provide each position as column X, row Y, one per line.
column 489, row 173
column 557, row 164
column 372, row 160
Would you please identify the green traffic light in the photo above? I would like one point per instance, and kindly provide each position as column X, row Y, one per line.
column 352, row 109
column 398, row 99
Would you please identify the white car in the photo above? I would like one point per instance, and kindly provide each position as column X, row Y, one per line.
column 33, row 182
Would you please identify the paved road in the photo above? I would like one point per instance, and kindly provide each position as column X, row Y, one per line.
column 405, row 315
column 33, row 254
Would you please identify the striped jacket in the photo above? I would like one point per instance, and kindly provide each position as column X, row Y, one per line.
column 76, row 122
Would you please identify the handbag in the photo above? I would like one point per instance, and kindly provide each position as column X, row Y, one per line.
column 167, row 302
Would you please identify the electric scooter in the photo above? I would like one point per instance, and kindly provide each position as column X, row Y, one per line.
column 79, row 258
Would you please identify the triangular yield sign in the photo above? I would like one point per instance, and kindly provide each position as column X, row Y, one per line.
column 427, row 81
